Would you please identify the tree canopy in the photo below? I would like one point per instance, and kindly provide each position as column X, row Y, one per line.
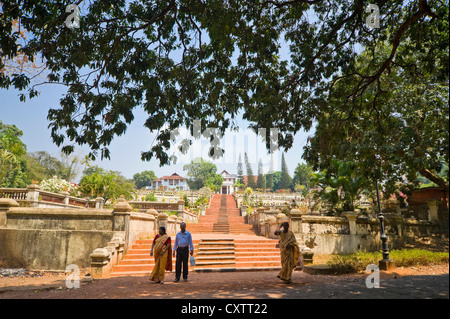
column 12, row 157
column 182, row 60
column 144, row 179
column 108, row 184
column 398, row 129
column 202, row 173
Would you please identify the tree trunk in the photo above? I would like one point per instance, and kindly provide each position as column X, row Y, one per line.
column 437, row 180
column 434, row 178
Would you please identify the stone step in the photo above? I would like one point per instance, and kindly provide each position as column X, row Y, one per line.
column 245, row 253
column 226, row 253
column 319, row 269
column 247, row 258
column 213, row 263
column 258, row 264
column 214, row 258
column 214, row 252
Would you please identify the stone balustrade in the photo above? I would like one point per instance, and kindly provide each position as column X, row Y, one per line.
column 33, row 196
column 341, row 235
column 50, row 239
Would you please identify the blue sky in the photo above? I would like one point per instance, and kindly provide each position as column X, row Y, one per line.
column 31, row 118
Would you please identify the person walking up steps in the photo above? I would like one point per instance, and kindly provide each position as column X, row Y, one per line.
column 183, row 247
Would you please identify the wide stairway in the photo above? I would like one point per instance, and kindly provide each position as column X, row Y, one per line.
column 222, row 217
column 222, row 242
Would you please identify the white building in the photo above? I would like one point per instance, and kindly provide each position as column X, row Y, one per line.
column 173, row 181
column 228, row 181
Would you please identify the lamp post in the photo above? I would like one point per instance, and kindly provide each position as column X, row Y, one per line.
column 385, row 263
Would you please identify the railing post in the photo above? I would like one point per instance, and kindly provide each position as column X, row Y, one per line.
column 162, row 220
column 66, row 198
column 99, row 202
column 100, row 262
column 351, row 217
column 433, row 210
column 33, row 194
column 5, row 205
column 121, row 221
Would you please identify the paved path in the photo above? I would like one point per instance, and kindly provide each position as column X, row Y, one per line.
column 244, row 285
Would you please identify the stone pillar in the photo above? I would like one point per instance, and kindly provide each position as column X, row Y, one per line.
column 33, row 194
column 99, row 202
column 171, row 225
column 396, row 221
column 296, row 221
column 307, row 255
column 100, row 262
column 433, row 210
column 273, row 226
column 122, row 206
column 261, row 213
column 281, row 218
column 181, row 205
column 351, row 217
column 262, row 227
column 121, row 220
column 112, row 247
column 162, row 220
column 119, row 247
column 153, row 212
column 5, row 204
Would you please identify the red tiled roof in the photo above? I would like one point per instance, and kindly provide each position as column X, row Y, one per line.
column 173, row 176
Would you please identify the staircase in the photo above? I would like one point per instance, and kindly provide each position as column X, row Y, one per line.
column 137, row 261
column 222, row 217
column 215, row 253
column 222, row 242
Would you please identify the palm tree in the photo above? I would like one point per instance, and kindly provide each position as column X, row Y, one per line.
column 340, row 187
column 7, row 159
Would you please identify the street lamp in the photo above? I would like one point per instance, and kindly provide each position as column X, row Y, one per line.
column 385, row 263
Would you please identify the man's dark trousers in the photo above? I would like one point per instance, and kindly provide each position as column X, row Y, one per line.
column 182, row 257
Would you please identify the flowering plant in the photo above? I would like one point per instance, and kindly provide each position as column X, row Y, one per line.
column 58, row 185
column 303, row 206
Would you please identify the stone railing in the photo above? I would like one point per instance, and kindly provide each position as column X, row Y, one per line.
column 341, row 235
column 33, row 196
column 143, row 206
column 95, row 238
column 177, row 208
column 270, row 199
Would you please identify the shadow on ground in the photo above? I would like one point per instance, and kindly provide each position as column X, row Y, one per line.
column 249, row 285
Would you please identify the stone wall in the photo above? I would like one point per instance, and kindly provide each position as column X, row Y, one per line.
column 342, row 235
column 51, row 239
column 43, row 238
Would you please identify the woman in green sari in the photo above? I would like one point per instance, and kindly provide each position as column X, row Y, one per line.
column 162, row 249
column 289, row 250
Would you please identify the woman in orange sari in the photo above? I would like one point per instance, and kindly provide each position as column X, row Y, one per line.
column 289, row 250
column 162, row 250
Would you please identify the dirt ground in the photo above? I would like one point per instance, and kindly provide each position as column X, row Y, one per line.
column 414, row 282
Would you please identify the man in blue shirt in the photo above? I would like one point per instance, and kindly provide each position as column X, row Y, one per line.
column 183, row 246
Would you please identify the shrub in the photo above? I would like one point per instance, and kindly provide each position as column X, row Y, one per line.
column 150, row 197
column 344, row 264
column 58, row 185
